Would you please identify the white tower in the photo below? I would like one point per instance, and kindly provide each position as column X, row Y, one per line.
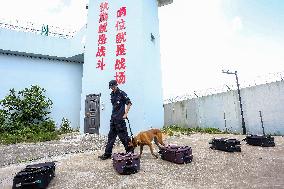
column 123, row 43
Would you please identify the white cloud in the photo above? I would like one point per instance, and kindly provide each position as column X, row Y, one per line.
column 197, row 29
column 46, row 11
column 237, row 24
column 197, row 42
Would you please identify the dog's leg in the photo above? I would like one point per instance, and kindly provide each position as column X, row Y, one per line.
column 141, row 150
column 152, row 152
column 156, row 141
column 160, row 139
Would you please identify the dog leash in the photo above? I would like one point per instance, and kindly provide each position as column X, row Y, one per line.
column 129, row 128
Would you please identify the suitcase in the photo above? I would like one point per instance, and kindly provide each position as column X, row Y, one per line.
column 176, row 154
column 126, row 163
column 260, row 140
column 225, row 144
column 36, row 176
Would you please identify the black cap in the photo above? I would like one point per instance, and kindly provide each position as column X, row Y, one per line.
column 112, row 83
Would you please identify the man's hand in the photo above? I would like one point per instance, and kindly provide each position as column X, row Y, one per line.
column 124, row 116
column 126, row 111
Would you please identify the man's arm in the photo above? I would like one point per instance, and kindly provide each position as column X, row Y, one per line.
column 128, row 103
column 127, row 110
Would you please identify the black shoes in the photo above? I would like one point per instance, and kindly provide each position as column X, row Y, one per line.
column 108, row 156
column 105, row 156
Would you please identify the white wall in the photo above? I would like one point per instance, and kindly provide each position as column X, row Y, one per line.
column 209, row 111
column 270, row 100
column 40, row 44
column 62, row 80
column 151, row 67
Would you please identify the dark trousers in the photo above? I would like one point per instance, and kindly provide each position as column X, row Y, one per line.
column 117, row 128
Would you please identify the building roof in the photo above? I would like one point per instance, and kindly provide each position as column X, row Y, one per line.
column 77, row 58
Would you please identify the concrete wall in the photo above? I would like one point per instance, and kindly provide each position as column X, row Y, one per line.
column 143, row 73
column 209, row 111
column 62, row 80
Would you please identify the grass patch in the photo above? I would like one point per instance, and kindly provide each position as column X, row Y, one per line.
column 44, row 131
column 8, row 138
column 173, row 129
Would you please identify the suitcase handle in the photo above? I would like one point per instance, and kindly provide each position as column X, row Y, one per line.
column 31, row 183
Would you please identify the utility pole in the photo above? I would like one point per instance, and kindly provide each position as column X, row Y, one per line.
column 240, row 99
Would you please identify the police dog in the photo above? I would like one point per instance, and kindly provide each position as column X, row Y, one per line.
column 146, row 138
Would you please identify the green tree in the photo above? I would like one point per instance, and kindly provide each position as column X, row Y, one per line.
column 24, row 108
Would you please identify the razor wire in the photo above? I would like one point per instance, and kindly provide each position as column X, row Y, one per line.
column 259, row 80
column 24, row 26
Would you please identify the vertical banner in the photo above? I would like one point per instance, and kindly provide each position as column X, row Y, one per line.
column 102, row 40
column 120, row 28
column 120, row 63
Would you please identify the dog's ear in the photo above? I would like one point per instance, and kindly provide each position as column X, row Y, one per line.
column 138, row 142
column 134, row 141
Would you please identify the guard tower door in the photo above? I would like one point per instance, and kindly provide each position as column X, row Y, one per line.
column 92, row 114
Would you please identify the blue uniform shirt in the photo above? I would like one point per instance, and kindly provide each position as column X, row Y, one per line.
column 118, row 99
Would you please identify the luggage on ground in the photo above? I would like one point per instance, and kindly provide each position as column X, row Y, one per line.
column 126, row 163
column 36, row 176
column 260, row 140
column 226, row 144
column 176, row 154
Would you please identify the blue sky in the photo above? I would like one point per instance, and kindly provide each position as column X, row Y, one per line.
column 263, row 17
column 199, row 38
